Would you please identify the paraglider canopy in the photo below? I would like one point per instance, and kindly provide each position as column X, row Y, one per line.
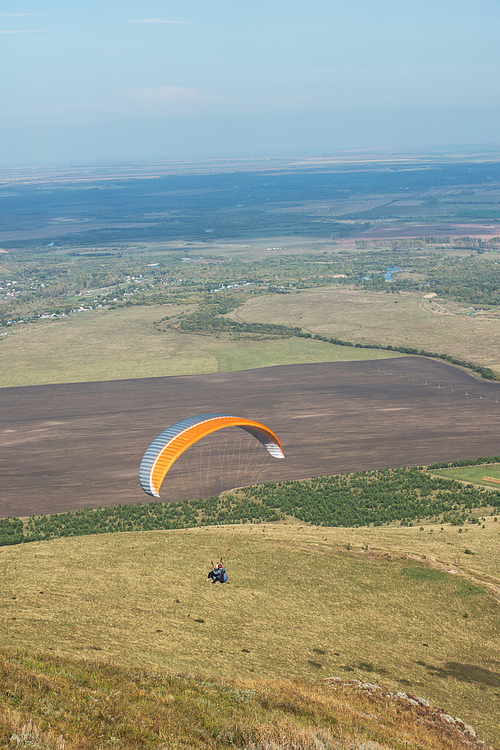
column 172, row 442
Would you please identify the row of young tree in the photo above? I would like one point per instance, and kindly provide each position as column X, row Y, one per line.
column 465, row 462
column 406, row 495
column 485, row 372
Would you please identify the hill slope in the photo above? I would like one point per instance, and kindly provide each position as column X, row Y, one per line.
column 63, row 704
column 414, row 612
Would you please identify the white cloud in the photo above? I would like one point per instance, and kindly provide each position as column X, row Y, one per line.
column 172, row 94
column 21, row 31
column 155, row 20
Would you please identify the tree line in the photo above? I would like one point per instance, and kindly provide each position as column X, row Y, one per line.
column 485, row 372
column 405, row 495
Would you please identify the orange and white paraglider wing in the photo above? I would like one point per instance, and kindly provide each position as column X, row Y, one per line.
column 172, row 442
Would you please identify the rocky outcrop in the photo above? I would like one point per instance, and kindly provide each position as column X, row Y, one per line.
column 432, row 717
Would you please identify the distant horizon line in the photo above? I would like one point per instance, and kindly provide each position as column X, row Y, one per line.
column 318, row 158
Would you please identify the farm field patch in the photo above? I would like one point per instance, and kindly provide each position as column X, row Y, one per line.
column 368, row 317
column 80, row 445
column 392, row 229
column 242, row 356
column 473, row 474
column 121, row 344
column 104, row 345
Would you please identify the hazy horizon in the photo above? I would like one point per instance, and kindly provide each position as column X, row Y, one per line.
column 142, row 81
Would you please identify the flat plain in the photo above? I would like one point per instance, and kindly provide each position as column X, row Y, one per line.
column 124, row 343
column 79, row 445
column 367, row 317
column 112, row 228
column 119, row 344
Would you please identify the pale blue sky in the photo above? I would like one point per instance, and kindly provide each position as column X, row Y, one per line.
column 126, row 80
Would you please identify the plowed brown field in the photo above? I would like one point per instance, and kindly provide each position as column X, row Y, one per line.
column 80, row 445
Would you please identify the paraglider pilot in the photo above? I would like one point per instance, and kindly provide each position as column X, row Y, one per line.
column 218, row 574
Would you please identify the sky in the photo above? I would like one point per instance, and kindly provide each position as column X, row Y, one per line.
column 122, row 80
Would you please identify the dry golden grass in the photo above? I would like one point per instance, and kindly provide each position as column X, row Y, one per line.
column 380, row 318
column 298, row 604
column 120, row 344
column 65, row 704
column 101, row 345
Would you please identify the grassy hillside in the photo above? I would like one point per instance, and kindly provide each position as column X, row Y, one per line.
column 408, row 608
column 65, row 704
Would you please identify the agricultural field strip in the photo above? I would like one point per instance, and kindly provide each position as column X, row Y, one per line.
column 440, row 410
column 337, row 208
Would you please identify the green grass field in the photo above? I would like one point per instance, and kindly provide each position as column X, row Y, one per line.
column 473, row 474
column 298, row 604
column 123, row 343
